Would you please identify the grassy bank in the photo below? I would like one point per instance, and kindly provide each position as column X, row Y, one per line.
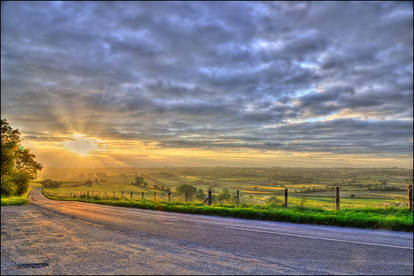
column 16, row 200
column 397, row 219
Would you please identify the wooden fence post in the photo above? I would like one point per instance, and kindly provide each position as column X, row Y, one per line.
column 169, row 196
column 209, row 198
column 286, row 198
column 238, row 198
column 142, row 196
column 337, row 199
column 155, row 196
column 122, row 194
column 186, row 197
column 131, row 195
column 410, row 197
column 87, row 194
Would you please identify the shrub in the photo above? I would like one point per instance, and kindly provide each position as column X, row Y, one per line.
column 51, row 184
column 200, row 194
column 8, row 187
column 224, row 195
column 273, row 202
column 15, row 184
column 22, row 183
column 88, row 183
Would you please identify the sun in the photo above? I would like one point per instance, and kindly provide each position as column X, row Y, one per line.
column 82, row 145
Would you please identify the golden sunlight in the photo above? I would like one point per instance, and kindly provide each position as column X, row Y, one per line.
column 82, row 145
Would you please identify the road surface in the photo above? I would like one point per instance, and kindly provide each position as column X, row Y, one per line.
column 57, row 237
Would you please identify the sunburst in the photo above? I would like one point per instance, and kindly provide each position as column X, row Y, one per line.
column 82, row 144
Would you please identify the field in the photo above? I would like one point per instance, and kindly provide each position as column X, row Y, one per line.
column 308, row 187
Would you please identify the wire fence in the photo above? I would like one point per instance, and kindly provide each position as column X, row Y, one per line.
column 214, row 198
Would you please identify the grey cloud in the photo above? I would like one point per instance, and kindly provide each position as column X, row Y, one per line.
column 339, row 136
column 159, row 71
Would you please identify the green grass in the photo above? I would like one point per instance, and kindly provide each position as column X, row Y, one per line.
column 18, row 200
column 360, row 207
column 391, row 218
column 13, row 200
column 317, row 200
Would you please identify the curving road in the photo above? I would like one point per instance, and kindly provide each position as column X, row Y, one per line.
column 56, row 237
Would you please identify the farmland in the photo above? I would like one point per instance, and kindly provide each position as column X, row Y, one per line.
column 310, row 187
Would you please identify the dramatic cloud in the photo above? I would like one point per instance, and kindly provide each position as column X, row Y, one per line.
column 286, row 77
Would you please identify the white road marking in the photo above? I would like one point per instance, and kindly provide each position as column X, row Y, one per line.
column 317, row 238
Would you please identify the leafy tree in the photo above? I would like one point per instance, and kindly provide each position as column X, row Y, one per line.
column 186, row 188
column 18, row 165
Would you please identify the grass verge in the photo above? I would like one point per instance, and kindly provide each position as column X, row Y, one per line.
column 16, row 200
column 391, row 218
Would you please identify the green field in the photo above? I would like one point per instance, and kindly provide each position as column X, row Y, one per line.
column 360, row 188
column 370, row 198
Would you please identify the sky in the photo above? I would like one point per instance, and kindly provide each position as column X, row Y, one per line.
column 257, row 84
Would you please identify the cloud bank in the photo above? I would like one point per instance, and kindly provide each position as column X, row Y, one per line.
column 333, row 77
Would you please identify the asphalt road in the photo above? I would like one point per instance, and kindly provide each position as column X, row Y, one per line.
column 56, row 237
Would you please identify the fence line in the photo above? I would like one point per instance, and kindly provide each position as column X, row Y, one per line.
column 168, row 195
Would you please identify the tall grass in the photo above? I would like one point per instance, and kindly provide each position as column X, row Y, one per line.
column 17, row 200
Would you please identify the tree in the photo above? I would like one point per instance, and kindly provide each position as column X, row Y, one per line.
column 186, row 188
column 48, row 183
column 139, row 180
column 18, row 165
column 88, row 183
